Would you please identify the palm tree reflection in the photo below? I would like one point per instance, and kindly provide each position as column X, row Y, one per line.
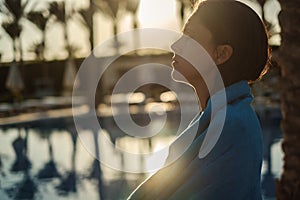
column 27, row 188
column 49, row 170
column 22, row 162
column 68, row 183
column 96, row 172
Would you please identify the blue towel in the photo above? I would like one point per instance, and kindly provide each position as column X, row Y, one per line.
column 230, row 170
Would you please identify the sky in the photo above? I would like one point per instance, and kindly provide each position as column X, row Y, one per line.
column 151, row 14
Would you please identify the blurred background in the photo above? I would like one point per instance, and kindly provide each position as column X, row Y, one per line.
column 42, row 45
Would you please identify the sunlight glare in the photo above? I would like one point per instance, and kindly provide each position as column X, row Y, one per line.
column 158, row 13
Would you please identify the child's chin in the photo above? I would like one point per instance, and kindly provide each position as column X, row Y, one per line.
column 178, row 77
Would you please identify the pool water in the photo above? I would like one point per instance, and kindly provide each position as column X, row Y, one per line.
column 61, row 166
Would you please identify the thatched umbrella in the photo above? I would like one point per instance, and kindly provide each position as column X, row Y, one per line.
column 14, row 81
column 69, row 76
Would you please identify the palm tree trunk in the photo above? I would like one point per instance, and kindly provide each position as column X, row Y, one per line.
column 44, row 65
column 14, row 50
column 92, row 24
column 43, row 44
column 135, row 20
column 115, row 31
column 20, row 49
column 115, row 27
column 182, row 9
column 67, row 39
column 288, row 187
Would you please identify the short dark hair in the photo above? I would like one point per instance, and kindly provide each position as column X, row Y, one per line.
column 236, row 24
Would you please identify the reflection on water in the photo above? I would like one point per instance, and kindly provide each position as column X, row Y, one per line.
column 55, row 164
column 51, row 164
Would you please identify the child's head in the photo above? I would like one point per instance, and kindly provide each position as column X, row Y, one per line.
column 238, row 34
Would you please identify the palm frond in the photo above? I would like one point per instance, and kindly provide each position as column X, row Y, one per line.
column 132, row 5
column 4, row 11
column 13, row 29
column 108, row 7
column 14, row 80
column 85, row 15
column 58, row 10
column 15, row 8
column 114, row 6
column 38, row 49
column 38, row 18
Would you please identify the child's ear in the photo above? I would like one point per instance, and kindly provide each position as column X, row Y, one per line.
column 222, row 53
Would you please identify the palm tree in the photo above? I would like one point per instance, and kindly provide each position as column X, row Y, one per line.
column 112, row 11
column 288, row 187
column 183, row 5
column 13, row 29
column 132, row 7
column 57, row 9
column 86, row 18
column 14, row 10
column 14, row 80
column 110, row 8
column 39, row 19
column 0, row 51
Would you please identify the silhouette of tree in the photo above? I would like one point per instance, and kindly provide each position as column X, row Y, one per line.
column 69, row 182
column 288, row 187
column 57, row 9
column 49, row 170
column 184, row 4
column 110, row 9
column 13, row 29
column 132, row 7
column 39, row 19
column 14, row 11
column 86, row 18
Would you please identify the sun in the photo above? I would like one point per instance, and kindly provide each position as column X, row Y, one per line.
column 158, row 14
